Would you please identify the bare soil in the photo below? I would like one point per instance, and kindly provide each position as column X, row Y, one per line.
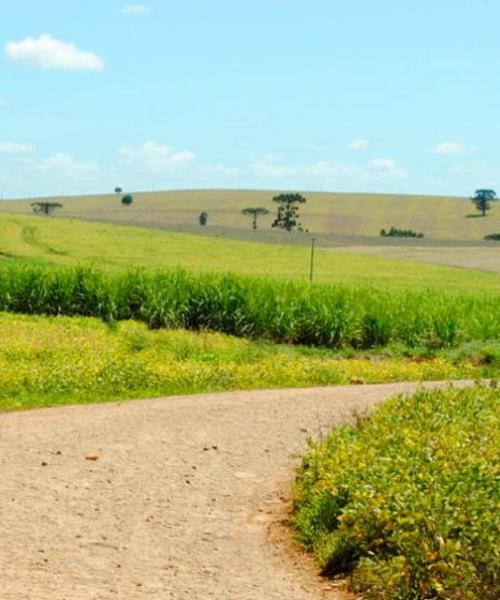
column 183, row 498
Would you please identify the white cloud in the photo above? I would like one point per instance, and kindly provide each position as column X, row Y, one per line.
column 62, row 162
column 136, row 9
column 155, row 157
column 15, row 148
column 453, row 148
column 380, row 169
column 383, row 164
column 49, row 53
column 183, row 156
column 358, row 145
column 388, row 167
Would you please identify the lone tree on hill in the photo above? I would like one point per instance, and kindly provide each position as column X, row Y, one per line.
column 482, row 200
column 127, row 200
column 45, row 208
column 118, row 190
column 255, row 213
column 288, row 211
column 203, row 219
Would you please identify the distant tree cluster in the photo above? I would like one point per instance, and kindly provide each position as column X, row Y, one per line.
column 402, row 233
column 45, row 208
column 493, row 237
column 287, row 216
column 127, row 199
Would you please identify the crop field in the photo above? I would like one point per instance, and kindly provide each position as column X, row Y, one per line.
column 69, row 242
column 448, row 218
column 406, row 502
column 482, row 257
column 281, row 311
column 46, row 361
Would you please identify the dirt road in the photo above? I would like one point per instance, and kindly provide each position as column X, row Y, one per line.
column 156, row 499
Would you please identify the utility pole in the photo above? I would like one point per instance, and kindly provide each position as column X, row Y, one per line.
column 311, row 270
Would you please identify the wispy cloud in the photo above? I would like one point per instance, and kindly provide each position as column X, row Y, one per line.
column 65, row 163
column 379, row 169
column 136, row 9
column 383, row 164
column 358, row 145
column 452, row 148
column 50, row 54
column 388, row 167
column 16, row 148
column 155, row 157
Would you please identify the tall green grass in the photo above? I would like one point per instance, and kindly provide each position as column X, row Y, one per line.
column 281, row 311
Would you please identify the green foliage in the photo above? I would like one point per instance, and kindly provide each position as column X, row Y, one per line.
column 118, row 190
column 288, row 211
column 60, row 360
column 482, row 200
column 277, row 310
column 254, row 213
column 407, row 501
column 493, row 236
column 203, row 219
column 127, row 200
column 45, row 208
column 404, row 233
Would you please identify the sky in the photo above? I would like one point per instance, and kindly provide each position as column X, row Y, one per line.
column 359, row 96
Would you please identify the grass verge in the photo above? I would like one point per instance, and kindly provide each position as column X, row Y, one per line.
column 46, row 361
column 407, row 501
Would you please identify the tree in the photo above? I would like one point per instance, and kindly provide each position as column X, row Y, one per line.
column 288, row 211
column 45, row 208
column 127, row 200
column 203, row 218
column 254, row 213
column 482, row 200
column 118, row 190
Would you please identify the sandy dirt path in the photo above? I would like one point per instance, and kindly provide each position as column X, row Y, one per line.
column 184, row 500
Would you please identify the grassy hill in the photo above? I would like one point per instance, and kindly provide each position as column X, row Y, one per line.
column 67, row 242
column 446, row 218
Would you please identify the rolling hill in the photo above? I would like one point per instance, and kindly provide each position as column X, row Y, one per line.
column 330, row 214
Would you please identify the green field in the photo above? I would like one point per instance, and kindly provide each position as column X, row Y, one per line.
column 47, row 361
column 67, row 242
column 448, row 218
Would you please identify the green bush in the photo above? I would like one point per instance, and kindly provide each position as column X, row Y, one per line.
column 407, row 501
column 277, row 310
column 403, row 233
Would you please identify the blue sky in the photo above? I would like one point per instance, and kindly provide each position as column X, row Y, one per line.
column 373, row 96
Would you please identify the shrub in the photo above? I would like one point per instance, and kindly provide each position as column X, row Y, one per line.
column 493, row 236
column 404, row 233
column 406, row 502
